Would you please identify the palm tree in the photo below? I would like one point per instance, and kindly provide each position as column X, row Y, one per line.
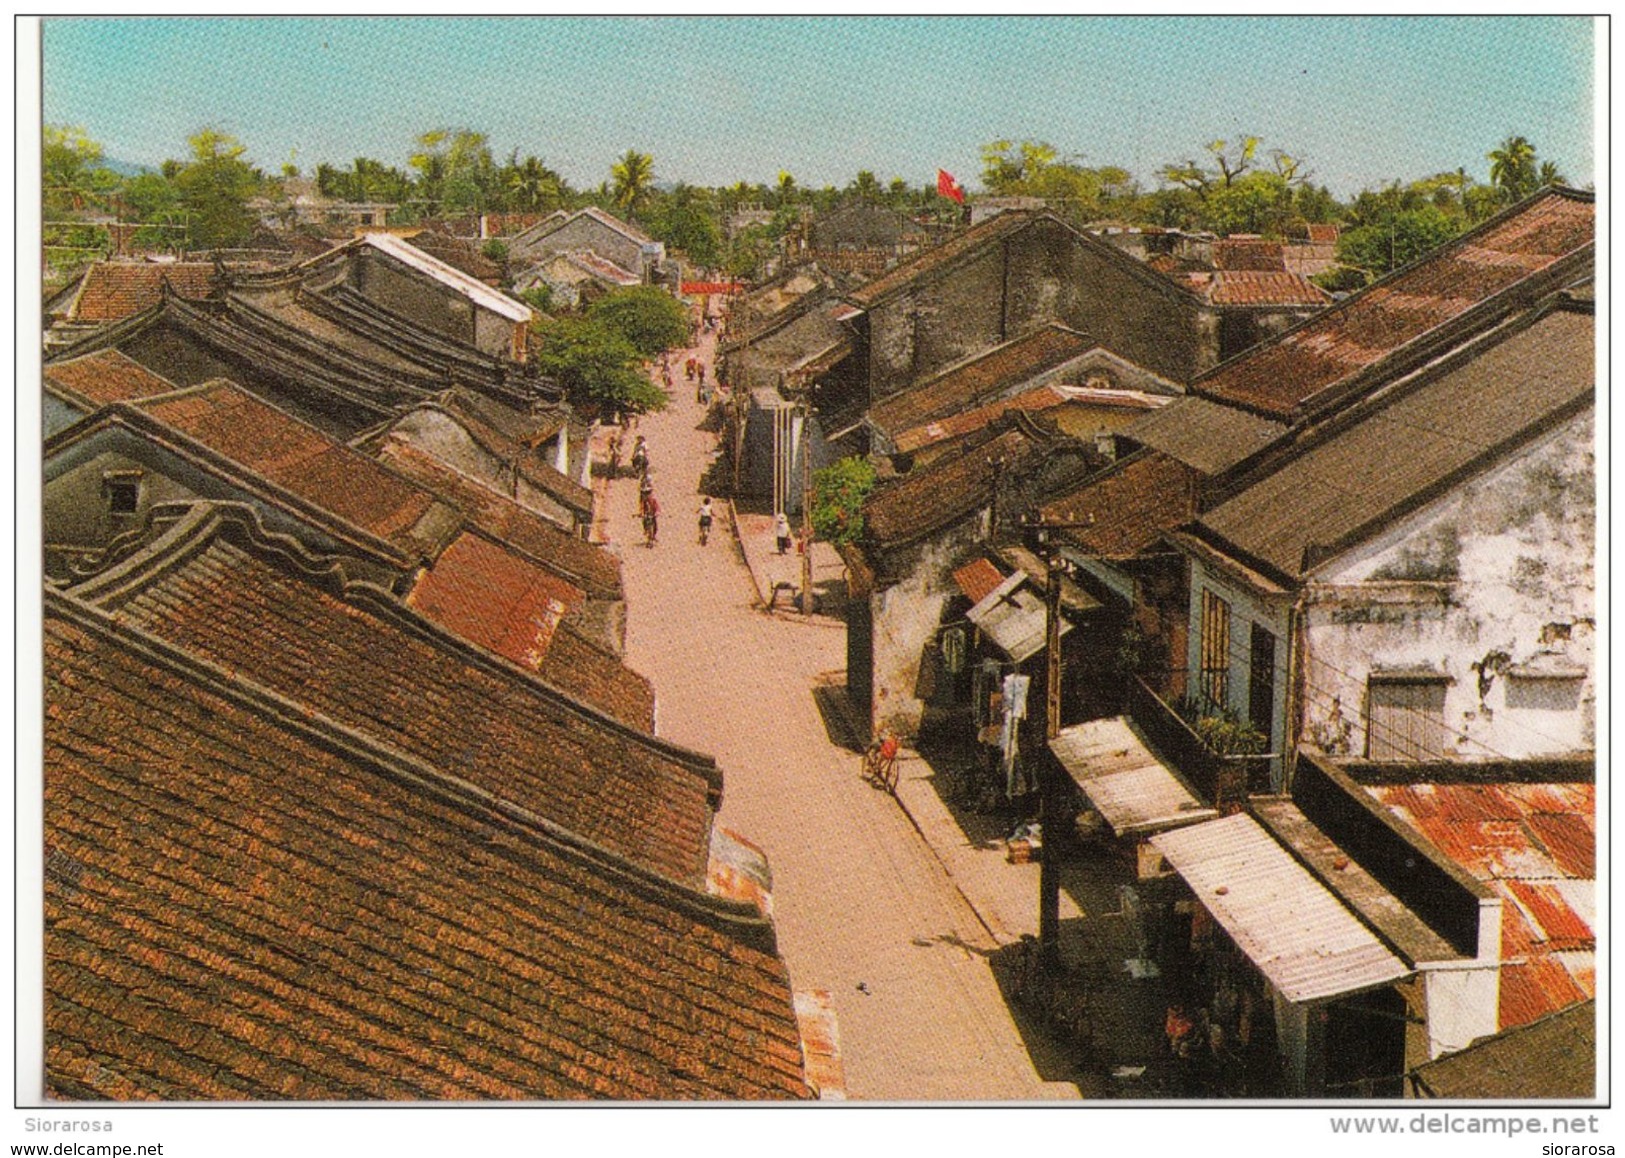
column 532, row 185
column 1512, row 168
column 1549, row 174
column 633, row 174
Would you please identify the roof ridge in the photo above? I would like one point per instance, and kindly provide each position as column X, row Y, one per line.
column 242, row 524
column 739, row 918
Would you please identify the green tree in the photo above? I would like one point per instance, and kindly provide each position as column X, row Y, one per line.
column 215, row 187
column 530, row 186
column 1257, row 203
column 633, row 176
column 649, row 318
column 597, row 367
column 455, row 170
column 1382, row 247
column 71, row 169
column 686, row 220
column 837, row 501
column 1513, row 169
column 1229, row 161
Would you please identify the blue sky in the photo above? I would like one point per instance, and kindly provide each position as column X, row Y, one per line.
column 720, row 99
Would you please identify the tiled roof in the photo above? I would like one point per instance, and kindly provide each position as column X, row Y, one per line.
column 934, row 496
column 1032, row 401
column 1281, row 375
column 1250, row 288
column 1554, row 1057
column 494, row 427
column 1237, row 253
column 117, row 289
column 449, row 276
column 813, row 339
column 1129, row 506
column 601, row 267
column 459, row 253
column 384, row 671
column 589, row 567
column 1353, row 481
column 242, row 903
column 300, row 459
column 1319, row 234
column 963, row 386
column 488, row 595
column 1204, row 434
column 1535, row 844
column 598, row 677
column 978, row 579
column 929, row 260
column 105, row 377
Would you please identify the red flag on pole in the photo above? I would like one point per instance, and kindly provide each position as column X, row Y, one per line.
column 948, row 187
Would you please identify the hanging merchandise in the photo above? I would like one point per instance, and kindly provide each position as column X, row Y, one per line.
column 953, row 650
column 1015, row 710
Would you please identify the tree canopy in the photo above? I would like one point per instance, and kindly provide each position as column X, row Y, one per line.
column 215, row 186
column 633, row 176
column 837, row 501
column 649, row 318
column 597, row 367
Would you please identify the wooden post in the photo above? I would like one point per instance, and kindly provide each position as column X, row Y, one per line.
column 806, row 507
column 1049, row 869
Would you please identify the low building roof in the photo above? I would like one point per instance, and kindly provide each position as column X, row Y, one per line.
column 494, row 598
column 1390, row 316
column 930, row 260
column 1252, row 254
column 112, row 290
column 218, row 587
column 806, row 344
column 1128, row 506
column 1535, row 844
column 1258, row 288
column 304, row 913
column 1553, row 1057
column 1384, row 458
column 952, row 488
column 590, row 567
column 447, row 275
column 1012, row 615
column 1299, row 935
column 103, row 378
column 980, row 378
column 1205, row 435
column 1135, row 791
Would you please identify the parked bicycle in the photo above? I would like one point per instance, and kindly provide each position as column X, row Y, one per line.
column 880, row 762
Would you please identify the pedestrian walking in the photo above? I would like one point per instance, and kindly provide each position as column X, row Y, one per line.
column 781, row 531
column 615, row 455
column 688, row 369
column 705, row 519
column 640, row 457
column 651, row 520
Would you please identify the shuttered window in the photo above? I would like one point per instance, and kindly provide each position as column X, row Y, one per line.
column 1215, row 673
column 1406, row 719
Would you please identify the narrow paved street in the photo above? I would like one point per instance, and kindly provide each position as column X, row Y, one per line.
column 863, row 906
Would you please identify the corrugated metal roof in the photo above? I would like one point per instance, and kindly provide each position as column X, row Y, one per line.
column 1536, row 845
column 1382, row 319
column 1206, row 435
column 1337, row 487
column 1127, row 783
column 1013, row 617
column 1295, row 931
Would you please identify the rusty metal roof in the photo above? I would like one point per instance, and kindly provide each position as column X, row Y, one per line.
column 1535, row 844
column 1298, row 934
column 1281, row 375
column 1131, row 787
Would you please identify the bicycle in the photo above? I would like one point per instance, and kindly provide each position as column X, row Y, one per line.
column 880, row 762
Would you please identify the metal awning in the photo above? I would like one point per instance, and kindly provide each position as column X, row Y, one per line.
column 1291, row 927
column 1013, row 618
column 1131, row 788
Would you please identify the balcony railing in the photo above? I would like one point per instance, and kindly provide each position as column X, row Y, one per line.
column 1223, row 780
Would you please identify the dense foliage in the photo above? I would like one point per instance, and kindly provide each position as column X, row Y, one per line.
column 597, row 367
column 649, row 318
column 838, row 493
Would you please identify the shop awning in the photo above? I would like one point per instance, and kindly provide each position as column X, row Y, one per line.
column 1289, row 925
column 1012, row 616
column 1131, row 788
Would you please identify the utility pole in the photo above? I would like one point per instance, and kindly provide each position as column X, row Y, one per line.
column 806, row 506
column 1039, row 531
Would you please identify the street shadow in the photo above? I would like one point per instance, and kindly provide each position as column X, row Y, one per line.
column 840, row 717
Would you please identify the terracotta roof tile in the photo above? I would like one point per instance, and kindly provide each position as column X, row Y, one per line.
column 978, row 579
column 1248, row 288
column 299, row 458
column 974, row 381
column 1255, row 254
column 492, row 597
column 1377, row 322
column 113, row 289
column 240, row 905
column 105, row 377
column 381, row 670
column 598, row 677
column 589, row 567
column 937, row 495
column 969, row 421
column 1131, row 505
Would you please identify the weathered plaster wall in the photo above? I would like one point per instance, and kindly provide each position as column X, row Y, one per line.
column 415, row 296
column 1246, row 609
column 444, row 438
column 906, row 617
column 1495, row 577
column 585, row 233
